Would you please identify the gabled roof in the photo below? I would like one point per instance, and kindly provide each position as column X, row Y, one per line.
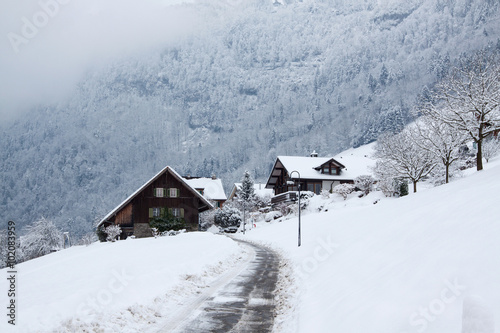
column 307, row 167
column 212, row 188
column 331, row 160
column 133, row 195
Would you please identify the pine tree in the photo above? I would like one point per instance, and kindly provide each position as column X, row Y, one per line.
column 247, row 192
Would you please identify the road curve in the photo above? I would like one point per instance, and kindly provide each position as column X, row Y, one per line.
column 245, row 303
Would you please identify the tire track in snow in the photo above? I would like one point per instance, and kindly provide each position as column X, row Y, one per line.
column 242, row 300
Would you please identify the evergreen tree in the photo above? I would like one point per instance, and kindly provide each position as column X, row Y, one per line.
column 247, row 192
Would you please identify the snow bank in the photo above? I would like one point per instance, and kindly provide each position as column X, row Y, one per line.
column 109, row 285
column 413, row 264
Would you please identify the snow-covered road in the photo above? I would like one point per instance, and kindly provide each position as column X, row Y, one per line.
column 242, row 300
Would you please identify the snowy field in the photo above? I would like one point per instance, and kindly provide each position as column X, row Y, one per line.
column 428, row 262
column 116, row 287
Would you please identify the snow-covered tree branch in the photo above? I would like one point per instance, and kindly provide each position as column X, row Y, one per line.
column 41, row 238
column 439, row 139
column 399, row 156
column 468, row 99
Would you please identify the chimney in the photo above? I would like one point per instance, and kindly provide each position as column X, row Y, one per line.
column 214, row 177
column 314, row 154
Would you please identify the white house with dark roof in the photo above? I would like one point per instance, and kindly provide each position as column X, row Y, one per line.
column 316, row 174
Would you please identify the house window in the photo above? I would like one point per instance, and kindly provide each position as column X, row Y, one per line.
column 314, row 187
column 326, row 169
column 334, row 171
column 156, row 212
column 176, row 212
column 173, row 192
column 159, row 192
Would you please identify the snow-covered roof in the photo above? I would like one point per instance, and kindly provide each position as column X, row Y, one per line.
column 140, row 189
column 358, row 161
column 212, row 188
column 353, row 163
column 306, row 166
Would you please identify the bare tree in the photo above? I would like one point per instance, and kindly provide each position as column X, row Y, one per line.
column 399, row 156
column 468, row 99
column 440, row 140
column 41, row 238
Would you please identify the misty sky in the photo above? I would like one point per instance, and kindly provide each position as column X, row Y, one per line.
column 47, row 45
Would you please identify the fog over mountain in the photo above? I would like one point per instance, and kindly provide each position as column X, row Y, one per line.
column 94, row 107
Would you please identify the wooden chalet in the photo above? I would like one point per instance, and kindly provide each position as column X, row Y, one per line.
column 165, row 191
column 316, row 174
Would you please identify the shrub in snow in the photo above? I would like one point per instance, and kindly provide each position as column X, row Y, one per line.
column 325, row 194
column 167, row 222
column 344, row 190
column 305, row 197
column 175, row 232
column 207, row 219
column 386, row 185
column 41, row 238
column 228, row 217
column 112, row 232
column 272, row 216
column 400, row 187
column 88, row 239
column 101, row 234
column 284, row 208
column 156, row 233
column 263, row 201
column 364, row 183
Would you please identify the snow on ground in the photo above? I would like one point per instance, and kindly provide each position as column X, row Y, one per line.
column 428, row 262
column 116, row 287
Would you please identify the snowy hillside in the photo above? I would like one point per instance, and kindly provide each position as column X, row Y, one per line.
column 208, row 87
column 427, row 262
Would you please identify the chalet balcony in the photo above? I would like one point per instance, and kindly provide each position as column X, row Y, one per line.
column 286, row 197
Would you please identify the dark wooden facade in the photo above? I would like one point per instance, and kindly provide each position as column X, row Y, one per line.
column 167, row 190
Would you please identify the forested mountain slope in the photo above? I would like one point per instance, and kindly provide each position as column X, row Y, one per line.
column 265, row 79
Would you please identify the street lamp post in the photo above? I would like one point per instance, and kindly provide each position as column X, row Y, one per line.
column 244, row 216
column 299, row 196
